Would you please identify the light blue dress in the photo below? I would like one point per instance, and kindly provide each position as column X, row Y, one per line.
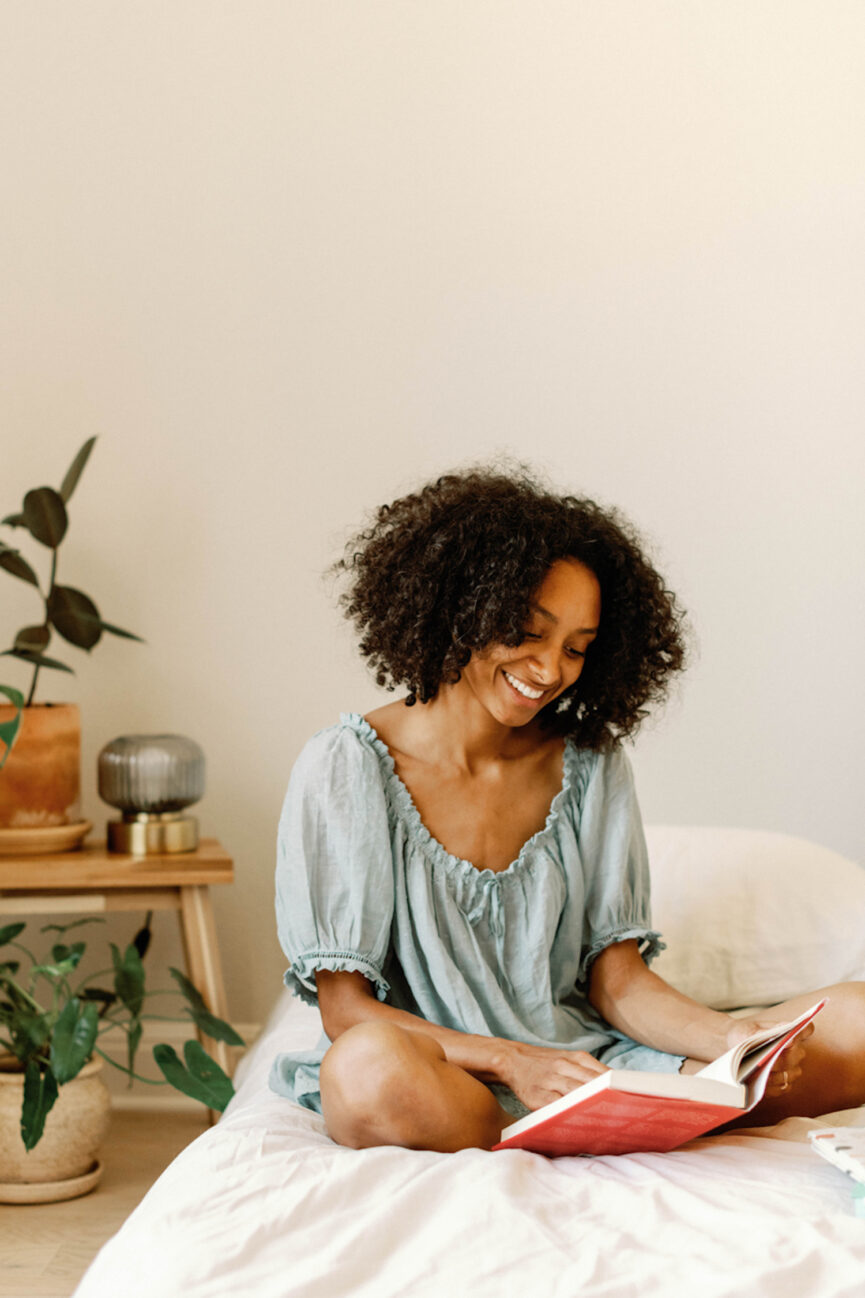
column 362, row 885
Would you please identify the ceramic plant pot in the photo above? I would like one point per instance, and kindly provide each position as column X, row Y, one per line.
column 40, row 783
column 65, row 1162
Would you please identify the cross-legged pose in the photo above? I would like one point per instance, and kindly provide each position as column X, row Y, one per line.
column 462, row 881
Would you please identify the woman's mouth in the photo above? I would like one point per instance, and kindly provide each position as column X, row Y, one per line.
column 527, row 692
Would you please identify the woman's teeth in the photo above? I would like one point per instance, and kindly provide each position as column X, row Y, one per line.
column 526, row 690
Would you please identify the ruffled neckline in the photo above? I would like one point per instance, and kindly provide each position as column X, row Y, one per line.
column 404, row 806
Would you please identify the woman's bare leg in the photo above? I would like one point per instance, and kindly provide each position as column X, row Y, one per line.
column 833, row 1070
column 384, row 1085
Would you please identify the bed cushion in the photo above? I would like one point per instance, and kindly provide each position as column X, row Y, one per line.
column 752, row 917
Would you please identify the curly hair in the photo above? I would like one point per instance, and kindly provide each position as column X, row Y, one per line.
column 451, row 569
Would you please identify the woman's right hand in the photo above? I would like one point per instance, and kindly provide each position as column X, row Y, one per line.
column 537, row 1075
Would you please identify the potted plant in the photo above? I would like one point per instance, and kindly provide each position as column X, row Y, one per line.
column 53, row 1105
column 40, row 781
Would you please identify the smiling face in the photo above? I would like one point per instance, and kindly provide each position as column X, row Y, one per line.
column 514, row 683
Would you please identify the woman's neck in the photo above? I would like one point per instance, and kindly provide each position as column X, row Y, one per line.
column 458, row 731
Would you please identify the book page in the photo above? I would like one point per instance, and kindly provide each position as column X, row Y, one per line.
column 746, row 1059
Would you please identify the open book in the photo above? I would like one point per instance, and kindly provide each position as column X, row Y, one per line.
column 623, row 1112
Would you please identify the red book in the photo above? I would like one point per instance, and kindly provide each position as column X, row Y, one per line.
column 623, row 1112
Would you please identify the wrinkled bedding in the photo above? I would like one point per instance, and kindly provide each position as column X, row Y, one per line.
column 264, row 1205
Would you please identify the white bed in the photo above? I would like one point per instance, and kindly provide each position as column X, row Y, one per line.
column 265, row 1205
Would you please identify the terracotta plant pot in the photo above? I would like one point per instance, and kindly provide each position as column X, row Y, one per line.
column 40, row 783
column 65, row 1161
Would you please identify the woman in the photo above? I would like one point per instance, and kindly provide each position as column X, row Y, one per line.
column 462, row 880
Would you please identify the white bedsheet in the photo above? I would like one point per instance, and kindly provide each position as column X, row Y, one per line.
column 265, row 1205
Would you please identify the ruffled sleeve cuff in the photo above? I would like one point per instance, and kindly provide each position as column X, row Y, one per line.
column 300, row 975
column 649, row 941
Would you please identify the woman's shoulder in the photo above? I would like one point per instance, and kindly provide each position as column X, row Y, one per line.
column 344, row 749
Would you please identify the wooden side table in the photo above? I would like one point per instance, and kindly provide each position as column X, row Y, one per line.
column 94, row 880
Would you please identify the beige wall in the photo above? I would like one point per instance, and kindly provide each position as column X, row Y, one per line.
column 287, row 259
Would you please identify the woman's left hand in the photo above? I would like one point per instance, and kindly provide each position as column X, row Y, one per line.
column 786, row 1070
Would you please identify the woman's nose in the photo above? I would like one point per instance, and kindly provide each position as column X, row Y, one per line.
column 545, row 666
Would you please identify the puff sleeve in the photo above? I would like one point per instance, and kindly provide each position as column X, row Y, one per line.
column 334, row 874
column 612, row 849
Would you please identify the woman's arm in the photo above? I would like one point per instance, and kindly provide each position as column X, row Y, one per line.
column 537, row 1074
column 639, row 1003
column 348, row 998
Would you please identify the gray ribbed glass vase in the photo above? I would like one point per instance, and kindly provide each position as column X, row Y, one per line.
column 151, row 779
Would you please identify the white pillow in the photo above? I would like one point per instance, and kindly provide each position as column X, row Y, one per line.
column 752, row 917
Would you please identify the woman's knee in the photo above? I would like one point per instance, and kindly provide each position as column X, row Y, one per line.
column 370, row 1078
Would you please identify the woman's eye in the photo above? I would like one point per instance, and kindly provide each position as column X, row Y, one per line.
column 575, row 653
column 530, row 635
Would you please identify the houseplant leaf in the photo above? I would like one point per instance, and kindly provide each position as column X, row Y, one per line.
column 100, row 995
column 128, row 977
column 73, row 473
column 118, row 630
column 10, row 931
column 9, row 730
column 12, row 561
column 45, row 516
column 70, row 954
column 211, row 1026
column 62, row 969
column 75, row 616
column 202, row 1078
column 36, row 660
column 40, row 1092
column 141, row 941
column 33, row 639
column 31, row 1028
column 133, row 1040
column 74, row 923
column 73, row 1039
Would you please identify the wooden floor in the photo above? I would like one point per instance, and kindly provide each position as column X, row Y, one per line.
column 46, row 1248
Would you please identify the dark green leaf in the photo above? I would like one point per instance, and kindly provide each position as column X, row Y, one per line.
column 201, row 1015
column 216, row 1028
column 40, row 1092
column 10, row 931
column 74, row 472
column 9, row 968
column 33, row 639
column 141, row 941
column 12, row 561
column 116, row 630
column 36, row 660
column 73, row 923
column 75, row 616
column 99, row 994
column 190, row 991
column 73, row 1039
column 45, row 516
column 9, row 729
column 68, row 954
column 202, row 1078
column 15, row 520
column 128, row 977
column 32, row 1029
column 133, row 1040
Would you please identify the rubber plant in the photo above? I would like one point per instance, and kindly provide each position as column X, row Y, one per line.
column 52, row 1024
column 66, row 610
